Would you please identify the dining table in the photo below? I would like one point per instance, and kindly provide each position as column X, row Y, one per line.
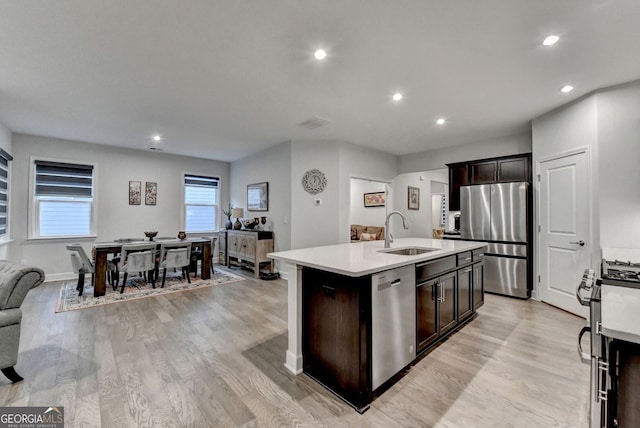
column 102, row 249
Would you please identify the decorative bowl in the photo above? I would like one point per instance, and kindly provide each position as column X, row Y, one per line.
column 151, row 235
column 249, row 224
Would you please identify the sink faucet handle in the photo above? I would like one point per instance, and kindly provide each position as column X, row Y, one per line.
column 390, row 237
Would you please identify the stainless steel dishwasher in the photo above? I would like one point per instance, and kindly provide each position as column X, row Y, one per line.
column 393, row 322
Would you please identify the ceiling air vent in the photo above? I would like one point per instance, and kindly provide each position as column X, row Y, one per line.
column 314, row 122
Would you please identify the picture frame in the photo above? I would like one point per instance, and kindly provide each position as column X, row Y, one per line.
column 413, row 198
column 258, row 197
column 150, row 193
column 135, row 192
column 375, row 199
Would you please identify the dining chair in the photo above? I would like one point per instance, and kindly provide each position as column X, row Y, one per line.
column 138, row 257
column 198, row 255
column 82, row 265
column 175, row 255
column 115, row 272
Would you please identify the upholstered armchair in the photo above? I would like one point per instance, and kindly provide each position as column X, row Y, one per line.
column 15, row 282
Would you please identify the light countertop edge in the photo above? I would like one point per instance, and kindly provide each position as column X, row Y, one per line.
column 364, row 258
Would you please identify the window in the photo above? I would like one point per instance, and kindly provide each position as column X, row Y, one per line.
column 4, row 192
column 63, row 199
column 200, row 203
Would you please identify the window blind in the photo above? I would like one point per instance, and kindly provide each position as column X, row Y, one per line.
column 63, row 180
column 200, row 198
column 4, row 190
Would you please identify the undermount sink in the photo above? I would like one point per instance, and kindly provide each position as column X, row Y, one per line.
column 408, row 251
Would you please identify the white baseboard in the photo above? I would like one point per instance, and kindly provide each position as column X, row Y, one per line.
column 52, row 277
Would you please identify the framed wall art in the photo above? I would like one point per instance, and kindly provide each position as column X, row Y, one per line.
column 414, row 198
column 134, row 192
column 376, row 199
column 258, row 197
column 151, row 193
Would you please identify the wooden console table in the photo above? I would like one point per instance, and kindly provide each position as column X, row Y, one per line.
column 249, row 248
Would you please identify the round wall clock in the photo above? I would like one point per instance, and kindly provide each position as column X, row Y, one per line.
column 314, row 181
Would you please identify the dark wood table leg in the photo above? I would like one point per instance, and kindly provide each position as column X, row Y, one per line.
column 206, row 261
column 99, row 283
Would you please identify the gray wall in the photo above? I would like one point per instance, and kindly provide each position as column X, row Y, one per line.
column 273, row 166
column 361, row 162
column 358, row 213
column 608, row 124
column 619, row 166
column 419, row 221
column 438, row 158
column 297, row 221
column 116, row 218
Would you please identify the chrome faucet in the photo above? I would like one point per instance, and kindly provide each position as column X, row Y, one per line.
column 388, row 237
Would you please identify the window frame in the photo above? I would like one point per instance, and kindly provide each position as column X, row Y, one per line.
column 34, row 205
column 216, row 205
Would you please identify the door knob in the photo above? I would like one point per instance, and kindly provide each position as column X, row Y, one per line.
column 580, row 242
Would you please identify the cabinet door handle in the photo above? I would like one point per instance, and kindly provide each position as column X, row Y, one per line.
column 441, row 293
column 466, row 259
column 467, row 270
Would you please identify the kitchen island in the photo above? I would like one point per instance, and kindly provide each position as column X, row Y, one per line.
column 358, row 313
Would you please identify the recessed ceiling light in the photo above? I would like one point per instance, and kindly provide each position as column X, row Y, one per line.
column 156, row 137
column 441, row 121
column 550, row 40
column 566, row 89
column 397, row 96
column 320, row 54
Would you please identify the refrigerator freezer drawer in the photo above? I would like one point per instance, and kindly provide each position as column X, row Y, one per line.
column 505, row 275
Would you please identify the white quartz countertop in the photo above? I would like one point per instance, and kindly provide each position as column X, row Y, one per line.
column 619, row 306
column 364, row 258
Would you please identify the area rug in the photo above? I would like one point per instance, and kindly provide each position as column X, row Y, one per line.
column 136, row 288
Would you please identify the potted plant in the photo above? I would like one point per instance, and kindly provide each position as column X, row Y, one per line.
column 228, row 225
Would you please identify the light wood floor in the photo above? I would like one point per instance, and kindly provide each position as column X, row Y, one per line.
column 214, row 357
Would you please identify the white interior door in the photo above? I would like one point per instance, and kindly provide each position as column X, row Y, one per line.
column 565, row 240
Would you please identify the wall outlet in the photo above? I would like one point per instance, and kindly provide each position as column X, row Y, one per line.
column 317, row 202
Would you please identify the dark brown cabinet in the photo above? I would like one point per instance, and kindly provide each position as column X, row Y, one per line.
column 436, row 308
column 513, row 169
column 335, row 325
column 465, row 292
column 486, row 171
column 478, row 285
column 458, row 176
column 483, row 172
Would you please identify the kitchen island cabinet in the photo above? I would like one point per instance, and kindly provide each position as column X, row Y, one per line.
column 330, row 307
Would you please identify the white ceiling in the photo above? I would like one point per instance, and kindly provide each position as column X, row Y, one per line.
column 224, row 79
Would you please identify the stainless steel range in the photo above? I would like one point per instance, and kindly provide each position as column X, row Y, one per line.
column 623, row 273
column 614, row 302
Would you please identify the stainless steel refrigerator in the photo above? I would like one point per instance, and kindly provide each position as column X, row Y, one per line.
column 499, row 214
